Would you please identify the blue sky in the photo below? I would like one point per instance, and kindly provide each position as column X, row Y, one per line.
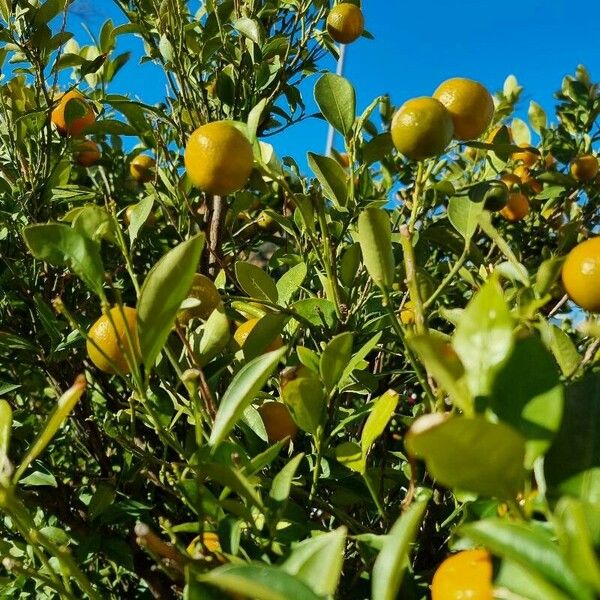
column 419, row 44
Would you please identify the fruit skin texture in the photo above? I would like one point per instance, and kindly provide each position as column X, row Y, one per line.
column 243, row 331
column 76, row 125
column 581, row 274
column 202, row 289
column 464, row 576
column 524, row 174
column 107, row 338
column 345, row 23
column 142, row 167
column 516, row 208
column 218, row 158
column 278, row 421
column 87, row 153
column 526, row 156
column 469, row 104
column 585, row 168
column 421, row 128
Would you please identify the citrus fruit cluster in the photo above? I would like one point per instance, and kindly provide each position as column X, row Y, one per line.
column 460, row 108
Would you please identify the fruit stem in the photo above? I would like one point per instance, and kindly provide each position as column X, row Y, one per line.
column 317, row 468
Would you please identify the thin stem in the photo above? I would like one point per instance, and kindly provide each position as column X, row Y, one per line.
column 453, row 271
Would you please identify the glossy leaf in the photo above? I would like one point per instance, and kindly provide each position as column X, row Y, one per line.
column 375, row 238
column 470, row 455
column 378, row 419
column 334, row 359
column 216, row 334
column 282, row 482
column 6, row 421
column 255, row 282
column 331, row 176
column 393, row 559
column 464, row 214
column 305, row 399
column 336, row 99
column 162, row 293
column 290, row 282
column 242, row 391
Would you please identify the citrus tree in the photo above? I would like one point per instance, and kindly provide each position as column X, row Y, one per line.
column 223, row 377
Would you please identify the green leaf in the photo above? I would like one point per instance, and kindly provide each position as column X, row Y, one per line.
column 572, row 465
column 138, row 217
column 378, row 419
column 470, row 455
column 318, row 561
column 576, row 541
column 349, row 265
column 464, row 214
column 534, row 406
column 350, row 455
column 525, row 583
column 232, row 478
column 317, row 311
column 216, row 334
column 60, row 244
column 250, row 28
column 336, row 99
column 6, row 421
column 562, row 347
column 95, row 223
column 358, row 358
column 290, row 282
column 334, row 359
column 263, row 334
column 242, row 391
column 305, row 399
column 537, row 116
column 282, row 482
column 484, row 337
column 260, row 582
column 109, row 127
column 520, row 132
column 375, row 238
column 64, row 406
column 331, row 176
column 530, row 548
column 393, row 559
column 255, row 282
column 547, row 274
column 164, row 289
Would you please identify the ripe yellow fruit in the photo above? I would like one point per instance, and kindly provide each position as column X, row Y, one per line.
column 526, row 156
column 524, row 174
column 142, row 168
column 585, row 168
column 422, row 127
column 345, row 23
column 243, row 331
column 278, row 421
column 407, row 314
column 219, row 158
column 581, row 274
column 464, row 576
column 87, row 153
column 108, row 341
column 516, row 208
column 80, row 113
column 204, row 290
column 470, row 105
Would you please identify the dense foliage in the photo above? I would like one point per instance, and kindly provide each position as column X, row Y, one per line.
column 439, row 390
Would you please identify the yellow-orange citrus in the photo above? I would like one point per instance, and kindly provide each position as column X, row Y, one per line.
column 585, row 168
column 581, row 274
column 527, row 156
column 345, row 23
column 516, row 208
column 470, row 105
column 278, row 421
column 87, row 153
column 109, row 338
column 204, row 290
column 407, row 313
column 527, row 179
column 422, row 127
column 78, row 110
column 466, row 575
column 142, row 168
column 218, row 158
column 510, row 180
column 243, row 331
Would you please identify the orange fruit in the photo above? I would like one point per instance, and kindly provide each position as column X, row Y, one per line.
column 470, row 105
column 510, row 180
column 516, row 208
column 72, row 114
column 278, row 421
column 526, row 156
column 345, row 23
column 142, row 168
column 87, row 153
column 549, row 161
column 524, row 174
column 407, row 314
column 581, row 274
column 108, row 340
column 464, row 576
column 243, row 331
column 204, row 290
column 421, row 128
column 218, row 158
column 585, row 168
